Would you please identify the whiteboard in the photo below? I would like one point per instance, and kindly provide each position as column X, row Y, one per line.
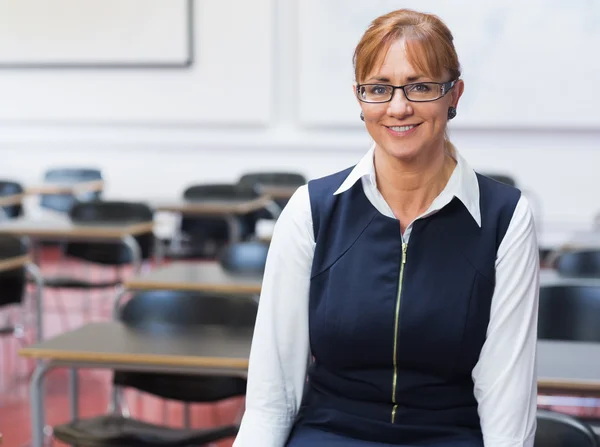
column 525, row 63
column 94, row 33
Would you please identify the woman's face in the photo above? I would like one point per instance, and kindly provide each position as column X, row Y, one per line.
column 402, row 128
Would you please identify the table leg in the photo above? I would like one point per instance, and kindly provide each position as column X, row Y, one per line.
column 35, row 273
column 37, row 402
column 136, row 252
column 235, row 228
column 159, row 251
column 74, row 393
column 117, row 303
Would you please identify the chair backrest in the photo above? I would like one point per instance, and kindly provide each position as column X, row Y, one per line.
column 255, row 179
column 245, row 257
column 579, row 264
column 219, row 191
column 12, row 282
column 10, row 188
column 569, row 312
column 502, row 178
column 561, row 430
column 202, row 229
column 64, row 202
column 168, row 311
column 110, row 212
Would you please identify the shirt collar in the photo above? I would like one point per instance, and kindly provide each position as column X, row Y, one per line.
column 462, row 184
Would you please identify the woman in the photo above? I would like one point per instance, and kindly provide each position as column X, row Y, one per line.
column 399, row 304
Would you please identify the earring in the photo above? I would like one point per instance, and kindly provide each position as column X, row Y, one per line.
column 451, row 112
column 362, row 116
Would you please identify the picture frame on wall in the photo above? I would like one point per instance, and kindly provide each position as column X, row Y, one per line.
column 96, row 34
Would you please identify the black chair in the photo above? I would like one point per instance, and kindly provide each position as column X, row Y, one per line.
column 63, row 202
column 245, row 257
column 115, row 254
column 205, row 236
column 256, row 180
column 561, row 430
column 569, row 312
column 13, row 285
column 9, row 188
column 159, row 312
column 579, row 264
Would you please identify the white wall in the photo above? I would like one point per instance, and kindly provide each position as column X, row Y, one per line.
column 154, row 132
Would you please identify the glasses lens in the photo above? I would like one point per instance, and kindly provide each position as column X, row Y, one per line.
column 375, row 92
column 423, row 91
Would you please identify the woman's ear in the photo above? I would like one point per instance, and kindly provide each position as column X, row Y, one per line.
column 457, row 91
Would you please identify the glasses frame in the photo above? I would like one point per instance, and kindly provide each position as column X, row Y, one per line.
column 446, row 87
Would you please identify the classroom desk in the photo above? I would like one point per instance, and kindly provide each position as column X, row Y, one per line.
column 228, row 209
column 61, row 228
column 191, row 277
column 111, row 345
column 562, row 366
column 25, row 261
column 578, row 240
column 569, row 367
column 196, row 276
column 74, row 189
column 13, row 199
column 550, row 277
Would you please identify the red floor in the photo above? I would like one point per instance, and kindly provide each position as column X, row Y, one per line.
column 94, row 384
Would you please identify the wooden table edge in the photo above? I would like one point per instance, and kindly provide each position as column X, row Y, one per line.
column 143, row 359
column 84, row 231
column 190, row 287
column 13, row 263
column 13, row 199
column 75, row 188
column 565, row 385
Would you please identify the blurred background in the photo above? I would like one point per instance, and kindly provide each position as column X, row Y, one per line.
column 152, row 97
column 161, row 94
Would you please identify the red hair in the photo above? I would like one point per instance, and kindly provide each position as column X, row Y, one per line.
column 429, row 44
column 429, row 48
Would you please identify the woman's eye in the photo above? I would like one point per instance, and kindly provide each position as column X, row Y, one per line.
column 377, row 90
column 421, row 88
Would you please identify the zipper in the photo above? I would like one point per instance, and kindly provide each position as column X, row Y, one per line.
column 396, row 325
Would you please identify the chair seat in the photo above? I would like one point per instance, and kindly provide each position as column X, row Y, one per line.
column 7, row 330
column 183, row 387
column 64, row 282
column 118, row 431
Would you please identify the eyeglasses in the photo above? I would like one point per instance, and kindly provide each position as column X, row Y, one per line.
column 417, row 92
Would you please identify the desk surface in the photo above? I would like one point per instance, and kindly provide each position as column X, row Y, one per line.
column 66, row 188
column 550, row 277
column 13, row 199
column 196, row 276
column 562, row 366
column 13, row 263
column 64, row 228
column 212, row 206
column 113, row 342
column 568, row 366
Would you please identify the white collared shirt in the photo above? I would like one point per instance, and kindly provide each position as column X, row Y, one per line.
column 505, row 376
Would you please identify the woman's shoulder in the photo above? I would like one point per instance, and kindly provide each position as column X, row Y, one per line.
column 326, row 186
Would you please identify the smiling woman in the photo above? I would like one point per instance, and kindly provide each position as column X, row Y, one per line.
column 392, row 288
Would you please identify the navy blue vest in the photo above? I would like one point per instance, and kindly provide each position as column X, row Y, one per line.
column 394, row 344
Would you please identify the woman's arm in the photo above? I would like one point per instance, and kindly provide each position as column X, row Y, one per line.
column 280, row 346
column 505, row 376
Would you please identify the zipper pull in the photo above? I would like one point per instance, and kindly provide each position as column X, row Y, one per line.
column 404, row 247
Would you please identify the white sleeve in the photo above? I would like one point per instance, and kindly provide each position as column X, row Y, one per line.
column 280, row 346
column 505, row 376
